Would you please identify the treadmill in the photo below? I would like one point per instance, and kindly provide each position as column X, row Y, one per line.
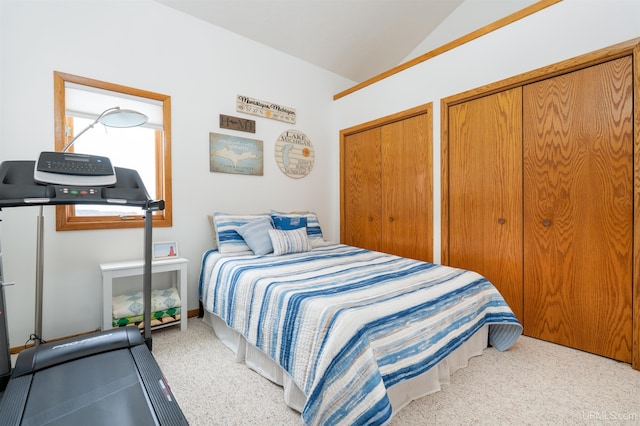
column 103, row 378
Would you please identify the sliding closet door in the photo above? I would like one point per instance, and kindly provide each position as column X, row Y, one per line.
column 578, row 209
column 485, row 191
column 407, row 213
column 361, row 188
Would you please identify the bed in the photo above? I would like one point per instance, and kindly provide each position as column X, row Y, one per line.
column 352, row 335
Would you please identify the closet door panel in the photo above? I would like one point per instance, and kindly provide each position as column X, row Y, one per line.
column 485, row 191
column 578, row 206
column 362, row 190
column 407, row 217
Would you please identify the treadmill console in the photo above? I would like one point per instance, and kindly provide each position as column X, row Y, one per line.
column 19, row 188
column 68, row 168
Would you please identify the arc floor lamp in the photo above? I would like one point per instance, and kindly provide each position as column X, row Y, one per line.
column 111, row 117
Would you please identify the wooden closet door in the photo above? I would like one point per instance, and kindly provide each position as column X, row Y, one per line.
column 362, row 190
column 485, row 191
column 578, row 206
column 407, row 214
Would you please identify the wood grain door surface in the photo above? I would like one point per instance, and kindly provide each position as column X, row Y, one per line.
column 362, row 186
column 578, row 209
column 485, row 191
column 407, row 213
column 387, row 188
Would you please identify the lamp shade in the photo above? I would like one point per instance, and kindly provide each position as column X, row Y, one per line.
column 123, row 118
column 113, row 117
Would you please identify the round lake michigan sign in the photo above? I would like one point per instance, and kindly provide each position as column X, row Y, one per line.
column 294, row 154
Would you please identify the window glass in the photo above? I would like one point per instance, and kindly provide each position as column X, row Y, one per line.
column 132, row 148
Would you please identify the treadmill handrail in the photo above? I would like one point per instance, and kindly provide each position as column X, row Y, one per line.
column 19, row 189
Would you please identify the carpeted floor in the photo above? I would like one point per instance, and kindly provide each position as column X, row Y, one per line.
column 534, row 383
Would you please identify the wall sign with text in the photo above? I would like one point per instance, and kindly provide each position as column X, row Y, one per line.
column 265, row 109
column 236, row 123
column 294, row 154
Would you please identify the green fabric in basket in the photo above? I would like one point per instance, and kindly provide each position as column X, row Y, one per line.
column 132, row 304
column 136, row 319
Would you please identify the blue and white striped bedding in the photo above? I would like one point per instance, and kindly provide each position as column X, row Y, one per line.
column 348, row 323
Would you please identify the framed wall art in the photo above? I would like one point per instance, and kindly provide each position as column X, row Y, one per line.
column 233, row 154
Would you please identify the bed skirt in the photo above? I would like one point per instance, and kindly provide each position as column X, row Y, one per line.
column 400, row 394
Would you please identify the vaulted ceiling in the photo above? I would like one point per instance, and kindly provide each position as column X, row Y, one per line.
column 356, row 39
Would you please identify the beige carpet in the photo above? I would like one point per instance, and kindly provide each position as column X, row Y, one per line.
column 534, row 383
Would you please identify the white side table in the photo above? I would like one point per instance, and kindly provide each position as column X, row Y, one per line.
column 136, row 267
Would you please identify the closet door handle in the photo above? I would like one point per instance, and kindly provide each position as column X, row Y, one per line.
column 546, row 222
column 370, row 218
column 501, row 220
column 390, row 218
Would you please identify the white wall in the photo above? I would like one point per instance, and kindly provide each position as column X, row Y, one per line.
column 559, row 32
column 146, row 45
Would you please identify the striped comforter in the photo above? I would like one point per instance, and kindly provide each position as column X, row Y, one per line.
column 348, row 323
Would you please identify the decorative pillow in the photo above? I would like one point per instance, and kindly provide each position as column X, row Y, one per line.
column 213, row 231
column 227, row 237
column 285, row 242
column 256, row 235
column 314, row 232
column 289, row 222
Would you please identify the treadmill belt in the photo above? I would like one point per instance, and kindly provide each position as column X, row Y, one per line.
column 103, row 389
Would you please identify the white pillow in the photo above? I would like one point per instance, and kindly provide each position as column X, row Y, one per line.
column 293, row 241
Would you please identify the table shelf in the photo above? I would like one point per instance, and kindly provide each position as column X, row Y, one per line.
column 111, row 271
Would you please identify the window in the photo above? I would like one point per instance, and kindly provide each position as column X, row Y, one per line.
column 77, row 103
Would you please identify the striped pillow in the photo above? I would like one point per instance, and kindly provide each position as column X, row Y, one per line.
column 226, row 225
column 285, row 242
